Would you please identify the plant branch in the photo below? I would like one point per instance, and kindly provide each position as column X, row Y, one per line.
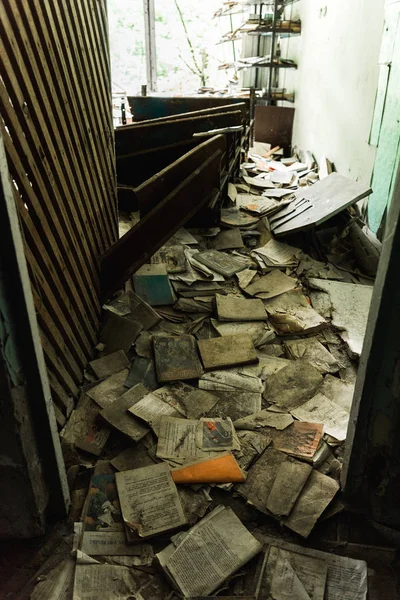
column 198, row 69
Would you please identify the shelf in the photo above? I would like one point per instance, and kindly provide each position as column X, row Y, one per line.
column 244, row 7
column 240, row 67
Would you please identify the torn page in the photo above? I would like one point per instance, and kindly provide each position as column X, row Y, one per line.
column 317, row 494
column 260, row 479
column 220, row 544
column 288, row 485
column 347, row 577
column 259, row 331
column 235, row 404
column 84, row 430
column 104, row 581
column 149, row 500
column 102, row 543
column 288, row 575
column 186, row 399
column 290, row 313
column 322, row 410
column 265, row 418
column 191, row 439
column 279, row 254
column 300, row 439
column 56, row 584
column 339, row 391
column 118, row 416
column 152, row 409
column 271, row 285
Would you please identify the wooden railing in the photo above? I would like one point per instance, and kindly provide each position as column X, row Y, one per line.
column 56, row 121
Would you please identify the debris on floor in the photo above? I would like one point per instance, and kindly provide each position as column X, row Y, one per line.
column 219, row 400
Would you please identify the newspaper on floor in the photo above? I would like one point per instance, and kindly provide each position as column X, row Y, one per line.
column 346, row 577
column 289, row 482
column 113, row 543
column 278, row 254
column 186, row 399
column 149, row 500
column 288, row 575
column 57, row 584
column 153, row 409
column 106, row 392
column 315, row 497
column 259, row 331
column 104, row 581
column 184, row 439
column 322, row 410
column 209, row 553
column 236, row 404
column 230, row 380
column 265, row 419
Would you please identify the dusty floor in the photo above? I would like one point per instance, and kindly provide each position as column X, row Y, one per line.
column 291, row 358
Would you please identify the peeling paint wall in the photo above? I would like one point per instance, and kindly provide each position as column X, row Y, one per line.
column 386, row 126
column 336, row 81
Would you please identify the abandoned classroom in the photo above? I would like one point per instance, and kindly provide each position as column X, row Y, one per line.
column 199, row 300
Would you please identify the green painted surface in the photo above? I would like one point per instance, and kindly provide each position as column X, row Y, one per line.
column 387, row 114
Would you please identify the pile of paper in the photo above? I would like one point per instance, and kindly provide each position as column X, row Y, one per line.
column 220, row 380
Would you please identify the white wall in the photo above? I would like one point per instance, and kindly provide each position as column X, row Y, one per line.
column 336, row 81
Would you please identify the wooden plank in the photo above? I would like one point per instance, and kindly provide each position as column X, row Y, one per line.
column 151, row 107
column 326, row 198
column 150, row 135
column 56, row 267
column 55, row 100
column 133, row 249
column 63, row 400
column 195, row 113
column 21, row 85
column 59, row 341
column 149, row 193
column 151, row 162
column 274, row 124
column 60, row 92
column 47, row 162
column 96, row 109
column 57, row 364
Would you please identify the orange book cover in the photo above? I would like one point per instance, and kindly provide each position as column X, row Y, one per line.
column 222, row 469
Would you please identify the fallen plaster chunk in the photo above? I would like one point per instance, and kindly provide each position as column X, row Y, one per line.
column 350, row 308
